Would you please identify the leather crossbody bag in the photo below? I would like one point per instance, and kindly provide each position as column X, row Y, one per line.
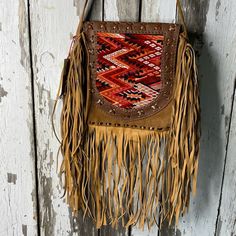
column 130, row 122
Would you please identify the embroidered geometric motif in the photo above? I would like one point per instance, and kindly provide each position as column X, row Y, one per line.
column 129, row 68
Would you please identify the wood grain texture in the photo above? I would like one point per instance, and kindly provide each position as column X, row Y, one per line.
column 226, row 222
column 53, row 24
column 17, row 156
column 158, row 11
column 217, row 73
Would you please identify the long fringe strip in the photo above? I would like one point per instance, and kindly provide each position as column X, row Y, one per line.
column 121, row 174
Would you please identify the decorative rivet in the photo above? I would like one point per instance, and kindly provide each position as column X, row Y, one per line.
column 153, row 107
column 141, row 27
column 114, row 27
column 127, row 27
column 171, row 28
column 92, row 90
column 102, row 26
column 112, row 111
column 100, row 102
column 140, row 112
column 151, row 128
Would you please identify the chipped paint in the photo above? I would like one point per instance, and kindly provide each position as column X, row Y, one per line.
column 3, row 93
column 24, row 230
column 47, row 213
column 196, row 15
column 219, row 225
column 128, row 11
column 218, row 4
column 11, row 178
column 222, row 109
column 23, row 34
column 78, row 5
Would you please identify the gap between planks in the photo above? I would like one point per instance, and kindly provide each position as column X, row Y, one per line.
column 225, row 159
column 33, row 117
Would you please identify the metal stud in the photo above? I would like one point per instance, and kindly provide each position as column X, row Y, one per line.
column 140, row 112
column 171, row 28
column 100, row 102
column 112, row 111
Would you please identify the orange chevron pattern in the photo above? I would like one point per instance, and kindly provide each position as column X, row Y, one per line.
column 129, row 68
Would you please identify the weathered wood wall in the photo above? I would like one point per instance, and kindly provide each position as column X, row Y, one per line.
column 34, row 39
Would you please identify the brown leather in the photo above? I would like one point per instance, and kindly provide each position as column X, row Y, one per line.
column 155, row 115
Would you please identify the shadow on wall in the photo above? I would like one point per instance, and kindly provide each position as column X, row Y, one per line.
column 212, row 142
column 212, row 149
column 212, row 145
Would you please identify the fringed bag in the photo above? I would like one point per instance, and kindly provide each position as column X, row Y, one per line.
column 130, row 122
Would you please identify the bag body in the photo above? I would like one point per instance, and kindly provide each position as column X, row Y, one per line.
column 130, row 122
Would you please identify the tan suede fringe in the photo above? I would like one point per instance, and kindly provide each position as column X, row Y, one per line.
column 122, row 174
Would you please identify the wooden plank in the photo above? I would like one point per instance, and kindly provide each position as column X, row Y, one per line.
column 53, row 24
column 227, row 211
column 17, row 163
column 217, row 56
column 158, row 11
column 155, row 11
column 116, row 10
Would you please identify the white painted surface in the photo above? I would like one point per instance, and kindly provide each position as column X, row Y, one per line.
column 52, row 24
column 227, row 216
column 158, row 11
column 17, row 172
column 217, row 74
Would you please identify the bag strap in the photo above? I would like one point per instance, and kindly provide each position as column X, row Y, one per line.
column 88, row 5
column 181, row 15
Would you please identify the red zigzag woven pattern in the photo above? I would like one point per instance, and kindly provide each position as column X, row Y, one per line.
column 129, row 68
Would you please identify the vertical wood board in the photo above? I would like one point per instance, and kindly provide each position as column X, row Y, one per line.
column 206, row 19
column 17, row 156
column 53, row 25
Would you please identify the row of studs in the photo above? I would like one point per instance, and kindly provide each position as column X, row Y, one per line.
column 127, row 126
column 102, row 26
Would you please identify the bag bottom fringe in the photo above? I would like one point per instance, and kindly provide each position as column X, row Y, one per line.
column 123, row 177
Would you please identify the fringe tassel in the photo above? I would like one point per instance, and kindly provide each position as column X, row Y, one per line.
column 121, row 174
column 74, row 90
column 183, row 146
